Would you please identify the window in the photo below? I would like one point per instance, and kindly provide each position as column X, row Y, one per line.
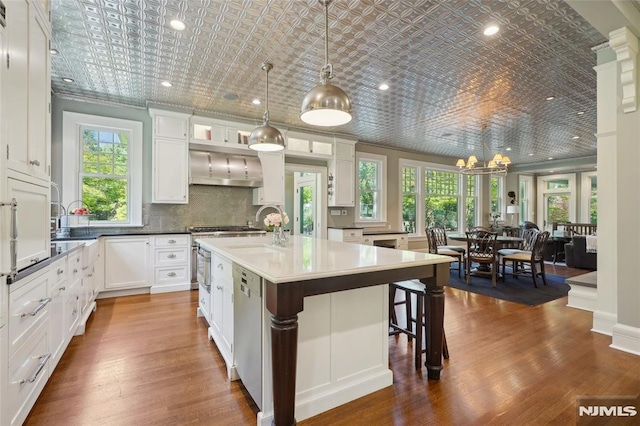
column 448, row 199
column 371, row 206
column 102, row 159
column 589, row 199
column 556, row 200
column 497, row 189
column 525, row 191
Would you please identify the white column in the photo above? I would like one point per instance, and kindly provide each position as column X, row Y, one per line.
column 626, row 138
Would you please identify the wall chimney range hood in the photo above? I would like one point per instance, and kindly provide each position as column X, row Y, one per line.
column 214, row 168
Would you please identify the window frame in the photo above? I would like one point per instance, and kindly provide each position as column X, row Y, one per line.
column 585, row 196
column 543, row 191
column 72, row 125
column 500, row 197
column 381, row 206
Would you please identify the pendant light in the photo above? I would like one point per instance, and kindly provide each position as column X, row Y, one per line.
column 266, row 137
column 326, row 104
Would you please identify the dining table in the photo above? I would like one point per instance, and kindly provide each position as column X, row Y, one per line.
column 501, row 242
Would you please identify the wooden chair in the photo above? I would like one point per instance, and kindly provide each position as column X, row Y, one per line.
column 533, row 258
column 438, row 244
column 526, row 246
column 411, row 287
column 481, row 249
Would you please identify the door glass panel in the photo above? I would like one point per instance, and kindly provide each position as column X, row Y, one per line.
column 558, row 184
column 557, row 208
column 593, row 201
column 306, row 210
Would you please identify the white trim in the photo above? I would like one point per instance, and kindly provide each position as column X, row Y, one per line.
column 626, row 338
column 603, row 322
column 530, row 214
column 71, row 124
column 585, row 196
column 542, row 191
column 381, row 217
column 322, row 196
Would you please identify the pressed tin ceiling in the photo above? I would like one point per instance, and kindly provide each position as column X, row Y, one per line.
column 446, row 78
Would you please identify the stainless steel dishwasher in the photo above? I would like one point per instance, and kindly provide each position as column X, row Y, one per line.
column 247, row 321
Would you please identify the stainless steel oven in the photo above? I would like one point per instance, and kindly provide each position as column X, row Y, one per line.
column 215, row 232
column 203, row 268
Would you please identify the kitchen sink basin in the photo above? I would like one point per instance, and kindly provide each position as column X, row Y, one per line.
column 251, row 249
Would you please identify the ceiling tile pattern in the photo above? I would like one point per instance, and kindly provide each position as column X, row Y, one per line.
column 446, row 79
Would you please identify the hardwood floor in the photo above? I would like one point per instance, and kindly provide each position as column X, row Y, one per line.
column 147, row 360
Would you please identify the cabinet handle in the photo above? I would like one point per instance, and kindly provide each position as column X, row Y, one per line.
column 43, row 361
column 60, row 271
column 202, row 301
column 34, row 163
column 171, row 241
column 43, row 303
column 74, row 312
column 171, row 256
column 77, row 259
column 13, row 241
column 353, row 234
column 171, row 274
column 219, row 287
column 35, row 260
column 89, row 275
column 220, row 266
column 63, row 288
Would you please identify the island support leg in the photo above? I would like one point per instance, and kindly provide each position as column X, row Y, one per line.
column 284, row 301
column 434, row 316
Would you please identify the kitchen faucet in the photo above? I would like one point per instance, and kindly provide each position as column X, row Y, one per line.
column 279, row 237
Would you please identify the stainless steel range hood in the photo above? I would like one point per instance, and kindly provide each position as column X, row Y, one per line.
column 214, row 168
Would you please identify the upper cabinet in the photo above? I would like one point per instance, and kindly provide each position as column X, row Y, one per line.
column 170, row 157
column 272, row 189
column 342, row 175
column 27, row 103
column 219, row 134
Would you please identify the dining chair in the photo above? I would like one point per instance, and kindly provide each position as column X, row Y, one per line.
column 525, row 246
column 481, row 249
column 533, row 258
column 438, row 244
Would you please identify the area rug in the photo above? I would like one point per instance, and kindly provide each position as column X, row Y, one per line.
column 519, row 290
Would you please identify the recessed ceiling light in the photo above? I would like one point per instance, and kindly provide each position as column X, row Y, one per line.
column 580, row 112
column 166, row 84
column 491, row 29
column 177, row 24
column 531, row 155
column 550, row 98
column 550, row 158
column 551, row 171
column 507, row 149
column 383, row 86
column 256, row 102
column 575, row 137
column 53, row 51
column 68, row 80
column 230, row 96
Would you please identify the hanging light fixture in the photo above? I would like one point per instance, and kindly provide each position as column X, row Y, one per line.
column 326, row 104
column 266, row 137
column 497, row 166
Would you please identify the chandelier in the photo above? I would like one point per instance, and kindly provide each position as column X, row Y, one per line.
column 497, row 166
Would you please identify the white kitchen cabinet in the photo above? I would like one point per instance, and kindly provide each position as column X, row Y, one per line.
column 171, row 270
column 170, row 158
column 347, row 235
column 57, row 328
column 308, row 146
column 204, row 304
column 126, row 262
column 342, row 175
column 221, row 325
column 33, row 217
column 272, row 189
column 219, row 134
column 27, row 102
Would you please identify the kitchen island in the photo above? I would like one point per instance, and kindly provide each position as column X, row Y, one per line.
column 340, row 291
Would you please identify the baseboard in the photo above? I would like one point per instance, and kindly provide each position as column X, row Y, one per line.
column 310, row 407
column 585, row 298
column 117, row 293
column 626, row 338
column 155, row 289
column 603, row 322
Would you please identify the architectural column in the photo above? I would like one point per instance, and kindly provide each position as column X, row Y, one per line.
column 618, row 302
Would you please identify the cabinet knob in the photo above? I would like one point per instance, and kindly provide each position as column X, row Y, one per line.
column 171, row 274
column 171, row 256
column 34, row 163
column 75, row 271
column 171, row 241
column 60, row 271
column 35, row 260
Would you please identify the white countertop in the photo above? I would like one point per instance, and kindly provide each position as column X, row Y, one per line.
column 306, row 258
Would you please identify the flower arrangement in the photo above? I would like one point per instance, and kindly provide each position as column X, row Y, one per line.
column 273, row 220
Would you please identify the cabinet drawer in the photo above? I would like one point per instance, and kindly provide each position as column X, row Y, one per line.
column 28, row 373
column 221, row 269
column 28, row 308
column 172, row 275
column 164, row 256
column 367, row 241
column 204, row 302
column 171, row 241
column 58, row 271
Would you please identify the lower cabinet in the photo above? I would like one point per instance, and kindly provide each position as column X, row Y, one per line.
column 221, row 324
column 204, row 304
column 171, row 263
column 126, row 262
column 58, row 291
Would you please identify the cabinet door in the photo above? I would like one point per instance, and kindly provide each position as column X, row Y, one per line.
column 126, row 263
column 343, row 184
column 272, row 190
column 32, row 221
column 39, row 117
column 170, row 171
column 57, row 328
column 227, row 316
column 15, row 100
column 168, row 126
column 217, row 294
